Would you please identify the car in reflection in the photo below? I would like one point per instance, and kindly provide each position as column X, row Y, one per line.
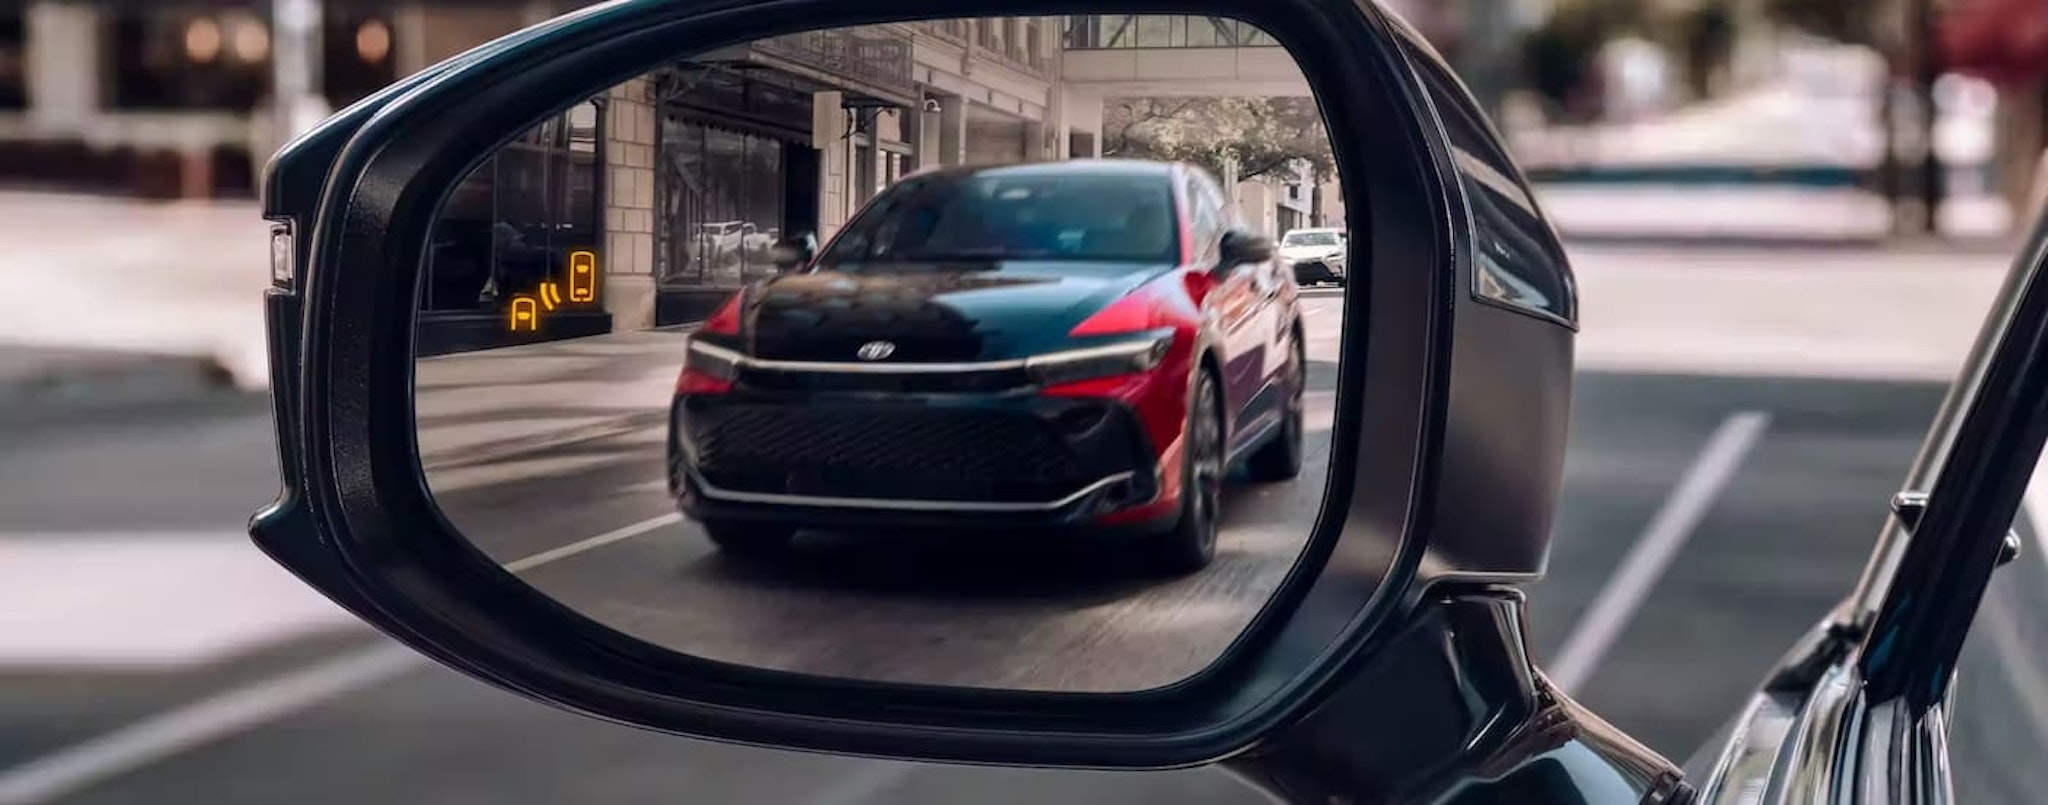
column 1084, row 345
column 1316, row 255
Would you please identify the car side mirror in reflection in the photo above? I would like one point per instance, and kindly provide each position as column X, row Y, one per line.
column 1240, row 247
column 790, row 254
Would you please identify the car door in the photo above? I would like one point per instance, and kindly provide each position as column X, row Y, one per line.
column 1235, row 301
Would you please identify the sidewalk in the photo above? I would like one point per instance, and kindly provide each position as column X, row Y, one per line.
column 1829, row 313
column 1761, row 214
column 104, row 290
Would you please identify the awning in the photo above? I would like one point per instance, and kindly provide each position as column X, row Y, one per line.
column 2003, row 41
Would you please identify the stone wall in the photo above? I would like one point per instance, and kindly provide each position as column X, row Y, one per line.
column 628, row 261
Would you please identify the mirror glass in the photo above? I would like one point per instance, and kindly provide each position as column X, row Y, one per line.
column 1003, row 426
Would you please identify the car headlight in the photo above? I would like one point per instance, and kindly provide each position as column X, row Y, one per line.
column 1109, row 360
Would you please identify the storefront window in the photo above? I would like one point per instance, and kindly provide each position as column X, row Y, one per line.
column 513, row 222
column 722, row 204
column 1119, row 31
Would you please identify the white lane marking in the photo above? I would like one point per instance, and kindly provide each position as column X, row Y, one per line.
column 240, row 709
column 154, row 739
column 862, row 784
column 1667, row 532
column 157, row 601
column 593, row 543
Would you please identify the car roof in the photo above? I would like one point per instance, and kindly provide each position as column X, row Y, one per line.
column 1093, row 166
column 1334, row 229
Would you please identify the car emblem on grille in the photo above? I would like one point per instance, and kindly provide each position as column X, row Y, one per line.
column 876, row 350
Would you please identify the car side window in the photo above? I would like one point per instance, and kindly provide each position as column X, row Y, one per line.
column 1206, row 222
column 1517, row 261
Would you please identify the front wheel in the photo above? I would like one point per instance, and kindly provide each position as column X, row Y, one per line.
column 749, row 540
column 1191, row 544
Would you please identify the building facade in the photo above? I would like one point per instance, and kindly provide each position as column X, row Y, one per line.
column 641, row 206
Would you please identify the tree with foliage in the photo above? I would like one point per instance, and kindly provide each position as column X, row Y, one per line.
column 1261, row 136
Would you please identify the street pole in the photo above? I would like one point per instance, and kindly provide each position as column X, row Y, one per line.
column 1927, row 70
column 295, row 68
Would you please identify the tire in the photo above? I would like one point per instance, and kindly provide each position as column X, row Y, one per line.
column 1280, row 458
column 749, row 540
column 1191, row 544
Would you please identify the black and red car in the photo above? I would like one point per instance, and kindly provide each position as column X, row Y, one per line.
column 1090, row 343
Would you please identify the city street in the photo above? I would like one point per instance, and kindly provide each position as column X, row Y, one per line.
column 962, row 609
column 249, row 690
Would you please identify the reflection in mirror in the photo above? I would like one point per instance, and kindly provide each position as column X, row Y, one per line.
column 887, row 368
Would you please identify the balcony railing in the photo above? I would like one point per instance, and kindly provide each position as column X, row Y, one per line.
column 880, row 61
column 1135, row 31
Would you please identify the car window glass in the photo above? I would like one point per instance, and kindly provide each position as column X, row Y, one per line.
column 1000, row 215
column 1206, row 224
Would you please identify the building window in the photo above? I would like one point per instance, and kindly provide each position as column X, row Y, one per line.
column 188, row 59
column 513, row 222
column 721, row 204
column 358, row 54
column 1127, row 31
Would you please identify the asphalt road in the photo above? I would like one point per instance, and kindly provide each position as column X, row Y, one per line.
column 1770, row 550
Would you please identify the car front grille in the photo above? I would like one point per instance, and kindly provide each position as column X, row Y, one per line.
column 1000, row 454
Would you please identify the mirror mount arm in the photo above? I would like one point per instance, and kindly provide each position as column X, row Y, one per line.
column 1454, row 704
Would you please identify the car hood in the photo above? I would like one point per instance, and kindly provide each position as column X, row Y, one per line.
column 933, row 312
column 1310, row 252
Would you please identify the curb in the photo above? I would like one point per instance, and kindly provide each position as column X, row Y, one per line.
column 118, row 380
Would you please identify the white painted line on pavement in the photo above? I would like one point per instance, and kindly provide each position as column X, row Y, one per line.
column 862, row 784
column 157, row 601
column 1667, row 532
column 238, row 710
column 599, row 541
column 154, row 739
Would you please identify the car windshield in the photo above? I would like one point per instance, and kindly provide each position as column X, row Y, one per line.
column 1008, row 216
column 1311, row 239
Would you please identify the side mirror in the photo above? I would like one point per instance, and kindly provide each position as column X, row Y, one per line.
column 789, row 254
column 1240, row 247
column 783, row 529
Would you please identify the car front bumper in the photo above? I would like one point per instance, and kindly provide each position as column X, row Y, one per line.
column 1308, row 271
column 857, row 462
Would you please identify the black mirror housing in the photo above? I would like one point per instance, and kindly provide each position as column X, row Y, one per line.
column 791, row 253
column 1240, row 247
column 356, row 522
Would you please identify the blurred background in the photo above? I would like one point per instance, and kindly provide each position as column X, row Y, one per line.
column 1785, row 214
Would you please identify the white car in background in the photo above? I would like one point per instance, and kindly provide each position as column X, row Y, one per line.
column 1317, row 255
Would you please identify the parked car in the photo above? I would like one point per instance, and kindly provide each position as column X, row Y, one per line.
column 1078, row 314
column 1315, row 255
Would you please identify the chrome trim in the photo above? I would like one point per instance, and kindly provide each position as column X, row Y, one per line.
column 1065, row 356
column 914, row 505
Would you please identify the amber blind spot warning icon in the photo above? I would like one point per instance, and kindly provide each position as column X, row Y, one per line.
column 525, row 309
column 583, row 276
column 525, row 315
